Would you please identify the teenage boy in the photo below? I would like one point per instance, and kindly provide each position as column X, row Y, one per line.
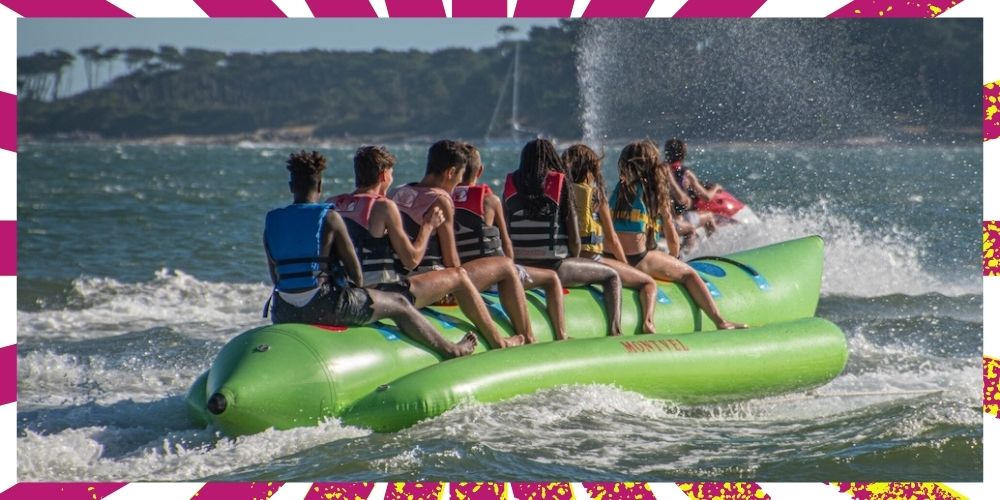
column 388, row 254
column 316, row 272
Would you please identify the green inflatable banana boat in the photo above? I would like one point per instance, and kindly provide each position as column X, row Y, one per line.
column 293, row 375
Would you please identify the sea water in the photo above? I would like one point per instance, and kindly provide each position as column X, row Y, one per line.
column 137, row 263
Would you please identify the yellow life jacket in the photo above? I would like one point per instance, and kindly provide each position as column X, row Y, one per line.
column 591, row 233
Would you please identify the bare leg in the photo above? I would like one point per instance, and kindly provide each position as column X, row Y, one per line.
column 575, row 271
column 501, row 271
column 636, row 279
column 665, row 267
column 428, row 288
column 687, row 233
column 548, row 280
column 395, row 307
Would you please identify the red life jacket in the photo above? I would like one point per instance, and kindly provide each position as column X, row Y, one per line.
column 536, row 234
column 375, row 253
column 473, row 238
column 355, row 207
column 413, row 202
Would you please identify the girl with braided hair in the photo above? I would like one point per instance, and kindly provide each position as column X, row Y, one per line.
column 542, row 224
column 639, row 202
column 480, row 231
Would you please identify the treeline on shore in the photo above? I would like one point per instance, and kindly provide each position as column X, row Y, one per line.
column 457, row 92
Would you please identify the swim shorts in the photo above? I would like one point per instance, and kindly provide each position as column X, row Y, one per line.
column 332, row 305
column 401, row 287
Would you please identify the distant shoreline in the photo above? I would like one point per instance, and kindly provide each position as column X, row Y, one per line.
column 300, row 136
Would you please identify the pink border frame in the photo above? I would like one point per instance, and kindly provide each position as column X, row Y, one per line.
column 480, row 8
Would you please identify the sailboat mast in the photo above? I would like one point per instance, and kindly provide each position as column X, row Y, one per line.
column 515, row 127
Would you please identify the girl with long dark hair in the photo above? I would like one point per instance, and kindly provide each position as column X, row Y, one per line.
column 640, row 202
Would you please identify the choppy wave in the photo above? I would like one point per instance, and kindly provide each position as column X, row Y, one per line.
column 46, row 378
column 121, row 451
column 107, row 307
column 584, row 431
column 860, row 261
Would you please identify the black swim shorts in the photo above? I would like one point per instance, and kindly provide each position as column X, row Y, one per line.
column 332, row 305
column 401, row 287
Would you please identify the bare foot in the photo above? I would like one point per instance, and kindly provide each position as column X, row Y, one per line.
column 729, row 325
column 561, row 336
column 465, row 346
column 513, row 341
column 649, row 327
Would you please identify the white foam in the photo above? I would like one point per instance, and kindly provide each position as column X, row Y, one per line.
column 50, row 379
column 173, row 298
column 78, row 454
column 607, row 419
column 858, row 262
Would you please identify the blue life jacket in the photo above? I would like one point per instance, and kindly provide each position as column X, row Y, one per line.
column 293, row 236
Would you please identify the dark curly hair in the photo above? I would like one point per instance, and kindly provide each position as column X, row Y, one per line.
column 306, row 169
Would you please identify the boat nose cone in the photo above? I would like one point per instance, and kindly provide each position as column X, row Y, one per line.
column 217, row 404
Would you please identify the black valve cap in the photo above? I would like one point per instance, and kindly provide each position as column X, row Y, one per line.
column 216, row 404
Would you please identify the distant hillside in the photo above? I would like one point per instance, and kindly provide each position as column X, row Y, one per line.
column 327, row 93
column 708, row 80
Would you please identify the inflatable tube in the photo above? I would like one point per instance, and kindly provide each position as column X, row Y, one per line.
column 707, row 367
column 293, row 375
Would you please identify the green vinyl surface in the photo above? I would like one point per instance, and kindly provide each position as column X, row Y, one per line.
column 712, row 366
column 292, row 375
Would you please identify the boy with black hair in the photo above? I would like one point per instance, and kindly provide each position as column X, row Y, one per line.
column 316, row 272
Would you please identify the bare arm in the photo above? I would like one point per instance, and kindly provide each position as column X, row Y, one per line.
column 499, row 220
column 446, row 233
column 270, row 263
column 670, row 234
column 572, row 229
column 611, row 241
column 337, row 242
column 679, row 195
column 385, row 219
column 699, row 189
